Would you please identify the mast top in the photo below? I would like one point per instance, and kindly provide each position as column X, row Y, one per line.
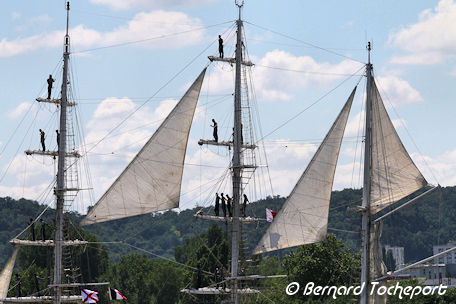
column 67, row 36
column 369, row 48
column 239, row 4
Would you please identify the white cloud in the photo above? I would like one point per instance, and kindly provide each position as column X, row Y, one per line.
column 142, row 27
column 20, row 110
column 280, row 74
column 148, row 4
column 397, row 91
column 15, row 15
column 441, row 167
column 431, row 40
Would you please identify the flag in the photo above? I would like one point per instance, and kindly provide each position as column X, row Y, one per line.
column 270, row 215
column 89, row 296
column 116, row 295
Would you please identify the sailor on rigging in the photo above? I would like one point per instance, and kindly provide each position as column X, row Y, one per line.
column 220, row 40
column 58, row 138
column 229, row 200
column 50, row 80
column 223, row 205
column 217, row 204
column 215, row 132
column 43, row 145
column 244, row 205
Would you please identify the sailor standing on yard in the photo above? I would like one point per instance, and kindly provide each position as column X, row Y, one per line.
column 244, row 205
column 228, row 205
column 50, row 81
column 43, row 145
column 215, row 132
column 220, row 40
column 58, row 138
column 217, row 204
column 223, row 205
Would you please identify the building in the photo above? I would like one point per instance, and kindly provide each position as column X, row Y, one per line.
column 446, row 259
column 398, row 255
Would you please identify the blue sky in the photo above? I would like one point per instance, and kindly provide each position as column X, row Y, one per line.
column 413, row 47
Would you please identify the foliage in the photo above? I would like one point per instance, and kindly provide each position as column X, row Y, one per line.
column 208, row 251
column 146, row 281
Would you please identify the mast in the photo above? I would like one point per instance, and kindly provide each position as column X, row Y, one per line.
column 60, row 190
column 237, row 169
column 366, row 215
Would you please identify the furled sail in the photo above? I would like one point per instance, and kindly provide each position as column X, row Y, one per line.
column 377, row 268
column 5, row 276
column 152, row 180
column 393, row 173
column 303, row 218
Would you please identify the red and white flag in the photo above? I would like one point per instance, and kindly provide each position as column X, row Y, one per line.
column 270, row 215
column 89, row 296
column 116, row 295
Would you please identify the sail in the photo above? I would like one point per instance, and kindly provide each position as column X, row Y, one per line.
column 152, row 180
column 393, row 173
column 303, row 218
column 377, row 268
column 5, row 276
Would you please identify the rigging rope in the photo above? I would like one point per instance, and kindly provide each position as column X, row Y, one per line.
column 306, row 43
column 312, row 104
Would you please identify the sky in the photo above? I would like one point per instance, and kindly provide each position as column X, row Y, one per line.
column 135, row 58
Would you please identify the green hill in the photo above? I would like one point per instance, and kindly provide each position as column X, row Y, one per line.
column 417, row 228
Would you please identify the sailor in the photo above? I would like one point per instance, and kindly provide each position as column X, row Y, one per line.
column 18, row 286
column 222, row 278
column 32, row 229
column 50, row 81
column 229, row 200
column 37, row 286
column 216, row 277
column 244, row 205
column 217, row 204
column 215, row 132
column 58, row 138
column 198, row 277
column 43, row 230
column 220, row 40
column 43, row 145
column 223, row 205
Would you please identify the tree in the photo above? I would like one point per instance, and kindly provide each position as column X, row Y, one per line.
column 326, row 263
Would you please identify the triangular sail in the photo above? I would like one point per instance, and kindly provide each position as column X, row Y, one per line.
column 152, row 180
column 393, row 173
column 303, row 218
column 5, row 276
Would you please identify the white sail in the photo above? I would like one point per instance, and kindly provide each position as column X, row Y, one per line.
column 393, row 173
column 303, row 218
column 5, row 276
column 152, row 180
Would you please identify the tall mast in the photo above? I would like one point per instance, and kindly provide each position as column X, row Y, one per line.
column 60, row 190
column 366, row 217
column 237, row 166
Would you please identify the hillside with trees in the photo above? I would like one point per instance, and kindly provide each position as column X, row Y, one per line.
column 417, row 228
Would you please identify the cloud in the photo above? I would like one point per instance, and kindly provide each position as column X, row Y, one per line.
column 148, row 4
column 441, row 168
column 15, row 15
column 397, row 91
column 429, row 41
column 281, row 74
column 142, row 27
column 20, row 110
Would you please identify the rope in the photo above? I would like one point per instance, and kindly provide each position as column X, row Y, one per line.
column 312, row 104
column 304, row 42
